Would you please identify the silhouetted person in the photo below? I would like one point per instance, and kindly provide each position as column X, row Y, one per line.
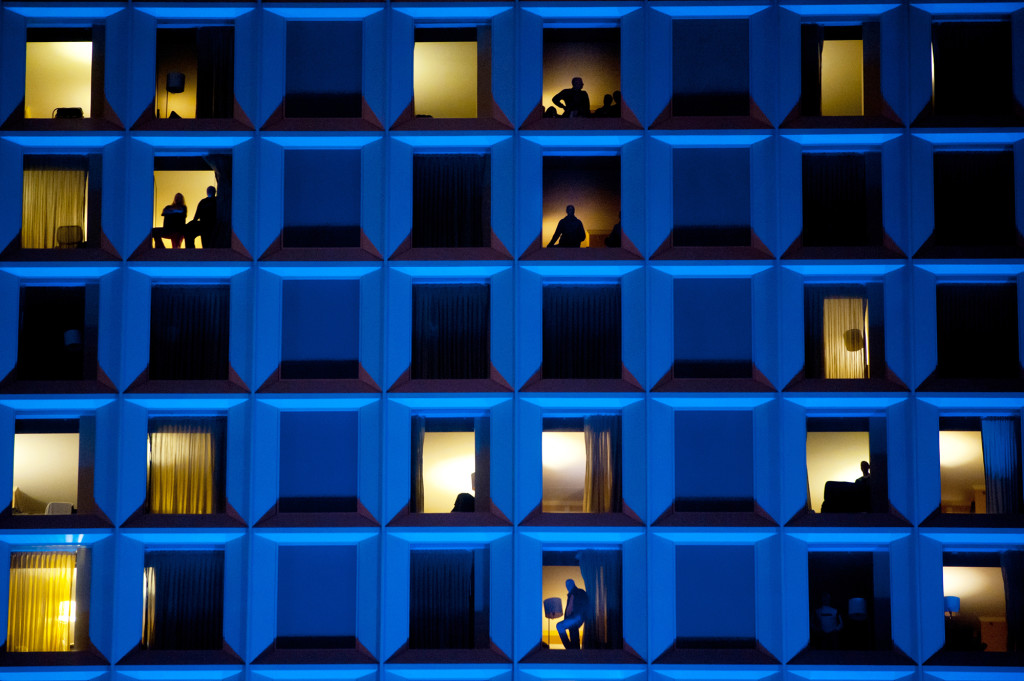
column 174, row 223
column 464, row 503
column 574, row 101
column 204, row 223
column 577, row 603
column 614, row 239
column 551, row 112
column 617, row 106
column 569, row 233
column 865, row 469
column 606, row 109
column 828, row 621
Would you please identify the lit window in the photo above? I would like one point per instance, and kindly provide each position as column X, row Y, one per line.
column 840, row 70
column 444, row 463
column 195, row 70
column 185, row 465
column 581, row 72
column 186, row 213
column 445, row 77
column 54, row 209
column 58, row 73
column 980, row 463
column 981, row 600
column 847, row 470
column 46, row 459
column 582, row 464
column 41, row 608
column 582, row 599
column 591, row 185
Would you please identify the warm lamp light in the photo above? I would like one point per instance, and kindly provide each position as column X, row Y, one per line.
column 552, row 610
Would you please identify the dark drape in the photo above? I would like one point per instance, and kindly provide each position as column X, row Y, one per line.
column 47, row 314
column 215, row 80
column 449, row 200
column 582, row 331
column 185, row 600
column 1012, row 563
column 188, row 337
column 602, row 490
column 451, row 331
column 1000, row 446
column 842, row 199
column 972, row 67
column 602, row 575
column 976, row 329
column 814, row 322
column 221, row 166
column 419, row 432
column 812, row 38
column 974, row 198
column 441, row 599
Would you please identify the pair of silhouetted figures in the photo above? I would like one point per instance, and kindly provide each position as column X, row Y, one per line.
column 177, row 230
column 575, row 103
column 570, row 233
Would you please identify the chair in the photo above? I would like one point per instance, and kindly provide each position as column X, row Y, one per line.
column 69, row 236
column 59, row 508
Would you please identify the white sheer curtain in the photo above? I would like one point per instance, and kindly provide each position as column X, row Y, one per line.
column 54, row 194
column 181, row 462
column 846, row 338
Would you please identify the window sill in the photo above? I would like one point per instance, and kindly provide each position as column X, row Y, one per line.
column 720, row 651
column 9, row 520
column 142, row 656
column 103, row 251
column 362, row 251
column 362, row 383
column 852, row 657
column 75, row 658
column 11, row 384
column 963, row 658
column 544, row 655
column 489, row 655
column 938, row 383
column 887, row 384
column 355, row 653
column 492, row 518
column 757, row 517
column 974, row 520
column 754, row 119
column 625, row 518
column 754, row 382
column 807, row 518
column 361, row 517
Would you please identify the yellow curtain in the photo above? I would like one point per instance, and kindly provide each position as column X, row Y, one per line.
column 51, row 197
column 41, row 606
column 846, row 338
column 148, row 605
column 180, row 476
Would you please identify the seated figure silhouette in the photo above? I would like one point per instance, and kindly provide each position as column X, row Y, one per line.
column 614, row 239
column 574, row 101
column 569, row 233
column 174, row 223
column 464, row 503
column 606, row 109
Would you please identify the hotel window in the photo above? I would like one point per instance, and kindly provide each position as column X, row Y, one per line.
column 185, row 469
column 710, row 67
column 711, row 197
column 847, row 465
column 983, row 601
column 850, row 600
column 714, row 461
column 310, row 176
column 45, row 588
column 593, row 619
column 198, row 219
column 63, row 72
column 713, row 328
column 316, row 597
column 582, row 331
column 715, row 597
column 451, row 200
column 980, row 463
column 451, row 331
column 448, row 599
column 974, row 198
column 841, row 331
column 447, row 455
column 188, row 337
column 323, row 69
column 591, row 185
column 318, row 462
column 57, row 334
column 581, row 73
column 842, row 199
column 60, row 206
column 183, row 600
column 448, row 74
column 839, row 71
column 47, row 456
column 195, row 72
column 976, row 330
column 971, row 68
column 581, row 457
column 320, row 329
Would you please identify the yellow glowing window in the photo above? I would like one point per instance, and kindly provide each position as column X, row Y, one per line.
column 445, row 73
column 962, row 469
column 41, row 609
column 564, row 460
column 449, row 469
column 833, row 469
column 191, row 184
column 842, row 78
column 846, row 338
column 55, row 198
column 976, row 615
column 45, row 468
column 58, row 75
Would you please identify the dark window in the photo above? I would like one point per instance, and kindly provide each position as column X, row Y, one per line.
column 714, row 461
column 715, row 597
column 711, row 197
column 57, row 335
column 842, row 199
column 316, row 597
column 713, row 328
column 972, row 71
column 710, row 67
column 977, row 330
column 321, row 198
column 183, row 600
column 195, row 72
column 974, row 198
column 188, row 337
column 851, row 588
column 318, row 469
column 582, row 331
column 451, row 200
column 320, row 329
column 448, row 605
column 451, row 331
column 185, row 469
column 843, row 331
column 323, row 69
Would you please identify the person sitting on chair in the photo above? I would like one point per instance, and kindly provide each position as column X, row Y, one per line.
column 577, row 603
column 174, row 223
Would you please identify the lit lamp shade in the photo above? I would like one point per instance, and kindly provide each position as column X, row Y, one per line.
column 952, row 604
column 858, row 609
column 552, row 607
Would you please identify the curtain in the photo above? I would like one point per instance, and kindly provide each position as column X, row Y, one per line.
column 1012, row 563
column 41, row 600
column 1000, row 446
column 812, row 40
column 842, row 202
column 602, row 489
column 54, row 194
column 977, row 330
column 183, row 604
column 451, row 331
column 846, row 337
column 602, row 575
column 419, row 433
column 582, row 330
column 184, row 465
column 188, row 336
column 482, row 449
column 972, row 67
column 215, row 80
column 441, row 599
column 221, row 166
column 449, row 196
column 974, row 198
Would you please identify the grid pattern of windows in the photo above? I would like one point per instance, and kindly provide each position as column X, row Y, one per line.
column 523, row 340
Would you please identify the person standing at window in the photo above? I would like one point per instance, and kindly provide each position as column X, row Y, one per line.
column 569, row 233
column 576, row 605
